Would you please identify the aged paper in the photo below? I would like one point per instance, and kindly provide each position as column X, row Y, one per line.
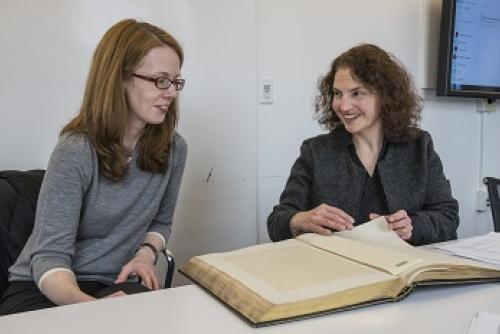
column 291, row 270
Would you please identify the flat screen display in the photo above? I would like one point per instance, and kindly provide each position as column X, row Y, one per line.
column 469, row 54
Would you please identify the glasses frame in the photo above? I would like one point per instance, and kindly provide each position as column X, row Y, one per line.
column 178, row 82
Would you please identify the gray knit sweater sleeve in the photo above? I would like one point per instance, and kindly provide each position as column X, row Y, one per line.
column 60, row 201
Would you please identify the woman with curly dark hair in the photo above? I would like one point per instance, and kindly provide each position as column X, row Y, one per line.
column 374, row 161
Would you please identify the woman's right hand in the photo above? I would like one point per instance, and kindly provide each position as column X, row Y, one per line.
column 62, row 289
column 323, row 219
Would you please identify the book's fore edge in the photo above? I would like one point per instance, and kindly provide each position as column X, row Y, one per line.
column 466, row 273
column 209, row 277
column 404, row 292
column 402, row 295
column 323, row 313
column 217, row 283
column 413, row 285
column 464, row 281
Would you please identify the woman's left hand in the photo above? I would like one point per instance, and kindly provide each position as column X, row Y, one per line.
column 399, row 222
column 142, row 266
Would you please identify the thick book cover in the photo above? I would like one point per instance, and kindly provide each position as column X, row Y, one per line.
column 313, row 274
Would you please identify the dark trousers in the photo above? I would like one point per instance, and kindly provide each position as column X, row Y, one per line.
column 23, row 296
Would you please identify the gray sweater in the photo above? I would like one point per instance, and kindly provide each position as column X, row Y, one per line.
column 91, row 225
column 411, row 174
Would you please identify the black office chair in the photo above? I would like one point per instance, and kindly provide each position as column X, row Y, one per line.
column 18, row 198
column 493, row 185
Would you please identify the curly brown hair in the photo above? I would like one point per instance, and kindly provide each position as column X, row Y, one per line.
column 382, row 74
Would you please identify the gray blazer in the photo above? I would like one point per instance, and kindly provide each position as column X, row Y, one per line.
column 411, row 174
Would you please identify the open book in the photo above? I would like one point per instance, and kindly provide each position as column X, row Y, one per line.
column 314, row 274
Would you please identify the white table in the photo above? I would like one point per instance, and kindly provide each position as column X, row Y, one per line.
column 189, row 309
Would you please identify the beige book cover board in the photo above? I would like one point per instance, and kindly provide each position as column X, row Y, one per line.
column 314, row 274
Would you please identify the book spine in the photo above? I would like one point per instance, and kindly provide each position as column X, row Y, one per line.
column 405, row 292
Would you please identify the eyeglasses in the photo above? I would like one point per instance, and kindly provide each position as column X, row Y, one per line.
column 163, row 82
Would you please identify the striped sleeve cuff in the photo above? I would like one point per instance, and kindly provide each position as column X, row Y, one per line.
column 159, row 235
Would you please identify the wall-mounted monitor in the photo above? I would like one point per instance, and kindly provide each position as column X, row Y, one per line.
column 469, row 49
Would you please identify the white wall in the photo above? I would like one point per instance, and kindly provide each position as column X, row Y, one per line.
column 219, row 122
column 455, row 126
column 248, row 147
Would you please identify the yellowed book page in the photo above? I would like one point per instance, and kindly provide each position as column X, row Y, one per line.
column 291, row 271
column 377, row 232
column 393, row 262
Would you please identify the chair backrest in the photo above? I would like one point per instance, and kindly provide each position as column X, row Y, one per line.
column 18, row 197
column 493, row 185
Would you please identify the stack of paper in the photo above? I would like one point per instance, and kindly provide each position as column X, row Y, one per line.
column 484, row 248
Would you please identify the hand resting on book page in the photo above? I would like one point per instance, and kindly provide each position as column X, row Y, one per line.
column 323, row 219
column 399, row 222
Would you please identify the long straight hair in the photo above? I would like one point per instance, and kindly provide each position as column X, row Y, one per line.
column 104, row 112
